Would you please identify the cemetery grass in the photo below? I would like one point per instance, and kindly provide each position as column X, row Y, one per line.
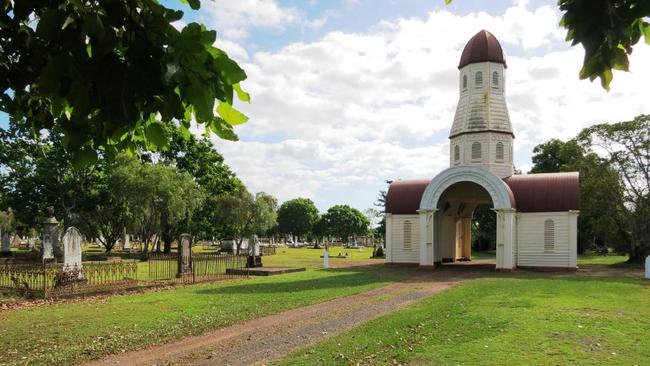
column 504, row 321
column 69, row 333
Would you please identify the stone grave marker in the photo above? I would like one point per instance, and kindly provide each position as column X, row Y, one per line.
column 184, row 254
column 72, row 249
column 50, row 237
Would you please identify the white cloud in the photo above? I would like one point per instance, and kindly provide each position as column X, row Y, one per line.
column 333, row 119
column 235, row 18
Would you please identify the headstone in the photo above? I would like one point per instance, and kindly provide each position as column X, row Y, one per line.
column 647, row 267
column 326, row 258
column 72, row 250
column 254, row 259
column 50, row 237
column 126, row 241
column 6, row 244
column 185, row 254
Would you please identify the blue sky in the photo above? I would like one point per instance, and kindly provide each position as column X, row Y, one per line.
column 349, row 93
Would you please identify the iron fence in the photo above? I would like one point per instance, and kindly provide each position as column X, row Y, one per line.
column 267, row 250
column 56, row 279
column 197, row 267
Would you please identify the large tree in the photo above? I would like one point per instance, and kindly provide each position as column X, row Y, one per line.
column 600, row 190
column 198, row 157
column 346, row 222
column 159, row 198
column 110, row 74
column 297, row 217
column 626, row 146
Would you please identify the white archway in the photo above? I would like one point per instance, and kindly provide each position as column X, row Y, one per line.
column 498, row 190
column 502, row 200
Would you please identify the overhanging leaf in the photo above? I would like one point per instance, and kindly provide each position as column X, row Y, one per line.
column 156, row 135
column 232, row 116
column 241, row 94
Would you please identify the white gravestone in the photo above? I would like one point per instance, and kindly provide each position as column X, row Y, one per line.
column 647, row 267
column 6, row 243
column 72, row 249
column 126, row 242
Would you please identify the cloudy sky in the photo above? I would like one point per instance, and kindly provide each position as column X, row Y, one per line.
column 349, row 93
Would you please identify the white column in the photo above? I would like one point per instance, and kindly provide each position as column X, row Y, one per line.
column 426, row 237
column 573, row 239
column 505, row 239
column 389, row 238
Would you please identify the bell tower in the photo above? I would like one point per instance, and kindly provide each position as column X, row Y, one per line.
column 481, row 133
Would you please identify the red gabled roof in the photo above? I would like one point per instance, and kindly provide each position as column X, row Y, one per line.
column 546, row 192
column 481, row 48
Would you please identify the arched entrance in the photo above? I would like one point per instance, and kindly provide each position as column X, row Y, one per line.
column 446, row 211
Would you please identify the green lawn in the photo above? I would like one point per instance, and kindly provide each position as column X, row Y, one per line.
column 72, row 332
column 610, row 259
column 504, row 321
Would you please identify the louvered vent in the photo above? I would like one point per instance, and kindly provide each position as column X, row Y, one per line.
column 476, row 151
column 499, row 151
column 408, row 235
column 549, row 236
column 479, row 79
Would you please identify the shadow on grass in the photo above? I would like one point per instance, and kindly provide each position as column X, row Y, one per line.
column 341, row 278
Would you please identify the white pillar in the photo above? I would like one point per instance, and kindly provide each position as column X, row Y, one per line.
column 389, row 238
column 426, row 238
column 573, row 239
column 505, row 239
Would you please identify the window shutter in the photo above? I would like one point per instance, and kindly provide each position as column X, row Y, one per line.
column 479, row 79
column 464, row 81
column 495, row 79
column 456, row 153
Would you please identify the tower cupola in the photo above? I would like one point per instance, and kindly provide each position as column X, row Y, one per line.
column 481, row 133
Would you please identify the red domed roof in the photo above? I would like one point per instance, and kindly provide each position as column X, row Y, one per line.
column 481, row 48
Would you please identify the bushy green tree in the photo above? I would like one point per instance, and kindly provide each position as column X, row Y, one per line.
column 345, row 222
column 626, row 147
column 159, row 198
column 297, row 217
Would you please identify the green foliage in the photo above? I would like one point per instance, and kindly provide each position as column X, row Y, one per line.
column 159, row 198
column 626, row 148
column 600, row 190
column 607, row 29
column 297, row 216
column 344, row 221
column 199, row 158
column 110, row 75
column 484, row 228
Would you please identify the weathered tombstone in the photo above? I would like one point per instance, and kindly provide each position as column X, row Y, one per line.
column 72, row 250
column 6, row 245
column 647, row 267
column 254, row 259
column 184, row 254
column 51, row 249
column 126, row 241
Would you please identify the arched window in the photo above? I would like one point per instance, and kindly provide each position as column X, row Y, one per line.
column 479, row 79
column 408, row 235
column 456, row 153
column 495, row 79
column 549, row 236
column 464, row 81
column 499, row 151
column 476, row 151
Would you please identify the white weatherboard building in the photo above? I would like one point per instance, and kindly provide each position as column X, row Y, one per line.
column 429, row 221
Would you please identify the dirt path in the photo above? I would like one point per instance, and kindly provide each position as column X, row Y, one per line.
column 274, row 336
